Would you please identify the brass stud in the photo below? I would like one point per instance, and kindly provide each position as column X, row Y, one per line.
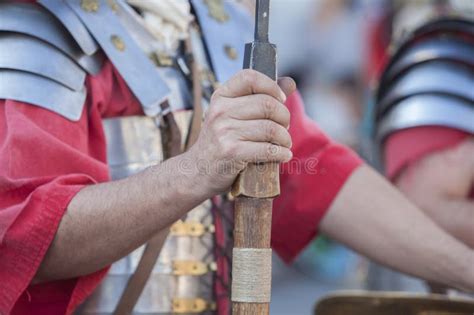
column 113, row 5
column 90, row 5
column 118, row 42
column 216, row 10
column 231, row 52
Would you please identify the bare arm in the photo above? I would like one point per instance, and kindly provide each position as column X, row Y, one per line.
column 440, row 184
column 247, row 122
column 375, row 219
column 107, row 221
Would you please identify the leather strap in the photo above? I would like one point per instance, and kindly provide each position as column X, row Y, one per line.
column 196, row 121
column 171, row 142
column 138, row 280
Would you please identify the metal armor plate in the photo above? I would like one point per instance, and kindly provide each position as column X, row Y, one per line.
column 428, row 82
column 58, row 42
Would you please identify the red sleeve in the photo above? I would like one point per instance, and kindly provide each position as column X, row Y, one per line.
column 45, row 160
column 405, row 147
column 309, row 182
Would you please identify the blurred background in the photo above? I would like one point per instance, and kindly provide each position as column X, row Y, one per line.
column 335, row 50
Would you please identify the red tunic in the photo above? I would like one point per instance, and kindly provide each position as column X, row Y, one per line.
column 406, row 147
column 46, row 159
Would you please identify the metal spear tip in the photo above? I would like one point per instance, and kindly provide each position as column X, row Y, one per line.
column 262, row 16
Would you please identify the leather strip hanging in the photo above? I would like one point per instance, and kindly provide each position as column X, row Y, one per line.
column 196, row 121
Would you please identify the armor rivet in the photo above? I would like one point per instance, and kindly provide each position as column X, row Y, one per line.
column 113, row 5
column 118, row 42
column 213, row 266
column 216, row 10
column 231, row 52
column 90, row 5
column 211, row 228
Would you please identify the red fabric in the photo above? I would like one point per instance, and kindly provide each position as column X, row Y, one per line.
column 46, row 160
column 408, row 146
column 309, row 182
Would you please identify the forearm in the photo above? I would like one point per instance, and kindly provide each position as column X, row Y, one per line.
column 246, row 122
column 105, row 222
column 456, row 216
column 372, row 217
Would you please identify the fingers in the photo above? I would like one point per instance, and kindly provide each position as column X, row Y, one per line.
column 264, row 131
column 259, row 106
column 287, row 85
column 262, row 152
column 247, row 82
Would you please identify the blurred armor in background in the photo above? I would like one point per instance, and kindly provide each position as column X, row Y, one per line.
column 424, row 117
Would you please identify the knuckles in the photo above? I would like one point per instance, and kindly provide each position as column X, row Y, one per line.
column 269, row 107
column 248, row 76
column 228, row 149
column 270, row 130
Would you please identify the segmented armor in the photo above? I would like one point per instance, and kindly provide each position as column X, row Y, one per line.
column 429, row 80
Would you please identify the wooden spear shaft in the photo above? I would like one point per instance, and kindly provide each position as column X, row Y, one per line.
column 254, row 190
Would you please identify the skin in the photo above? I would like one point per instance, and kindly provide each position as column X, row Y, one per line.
column 376, row 220
column 441, row 184
column 99, row 227
column 246, row 122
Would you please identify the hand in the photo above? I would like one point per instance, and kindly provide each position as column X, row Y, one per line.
column 246, row 122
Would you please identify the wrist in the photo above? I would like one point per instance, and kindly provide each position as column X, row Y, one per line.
column 189, row 173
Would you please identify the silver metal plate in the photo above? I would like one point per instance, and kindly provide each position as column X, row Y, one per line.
column 73, row 24
column 427, row 110
column 130, row 19
column 432, row 77
column 134, row 142
column 135, row 67
column 30, row 88
column 37, row 22
column 437, row 48
column 25, row 53
column 231, row 34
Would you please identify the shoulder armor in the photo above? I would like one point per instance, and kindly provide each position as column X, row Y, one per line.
column 34, row 21
column 225, row 35
column 40, row 63
column 133, row 64
column 73, row 24
column 429, row 80
column 428, row 110
column 59, row 41
column 436, row 77
column 34, row 89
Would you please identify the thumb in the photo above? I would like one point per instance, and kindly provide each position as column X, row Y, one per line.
column 287, row 84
